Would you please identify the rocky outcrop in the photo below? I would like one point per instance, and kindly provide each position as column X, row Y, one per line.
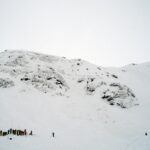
column 57, row 75
column 6, row 83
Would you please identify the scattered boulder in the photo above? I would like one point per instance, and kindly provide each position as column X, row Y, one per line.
column 24, row 79
column 90, row 90
column 99, row 68
column 80, row 80
column 114, row 76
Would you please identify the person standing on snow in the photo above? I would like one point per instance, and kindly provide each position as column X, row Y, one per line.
column 53, row 134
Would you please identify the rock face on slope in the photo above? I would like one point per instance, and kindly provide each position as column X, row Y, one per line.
column 50, row 74
column 6, row 82
column 117, row 94
column 45, row 80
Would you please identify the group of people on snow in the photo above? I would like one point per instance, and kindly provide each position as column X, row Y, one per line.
column 15, row 132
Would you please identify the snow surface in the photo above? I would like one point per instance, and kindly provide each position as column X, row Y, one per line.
column 48, row 94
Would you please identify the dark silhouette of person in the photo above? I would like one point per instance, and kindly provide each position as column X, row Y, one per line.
column 146, row 134
column 31, row 133
column 1, row 132
column 53, row 134
column 11, row 130
column 25, row 132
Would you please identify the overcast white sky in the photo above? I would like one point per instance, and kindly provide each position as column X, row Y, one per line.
column 104, row 32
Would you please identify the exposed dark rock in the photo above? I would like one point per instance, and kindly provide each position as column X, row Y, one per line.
column 119, row 95
column 114, row 76
column 80, row 80
column 99, row 68
column 24, row 79
column 6, row 82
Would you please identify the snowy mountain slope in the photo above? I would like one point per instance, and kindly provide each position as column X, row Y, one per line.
column 87, row 106
column 54, row 74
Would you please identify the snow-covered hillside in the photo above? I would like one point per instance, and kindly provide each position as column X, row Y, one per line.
column 87, row 106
